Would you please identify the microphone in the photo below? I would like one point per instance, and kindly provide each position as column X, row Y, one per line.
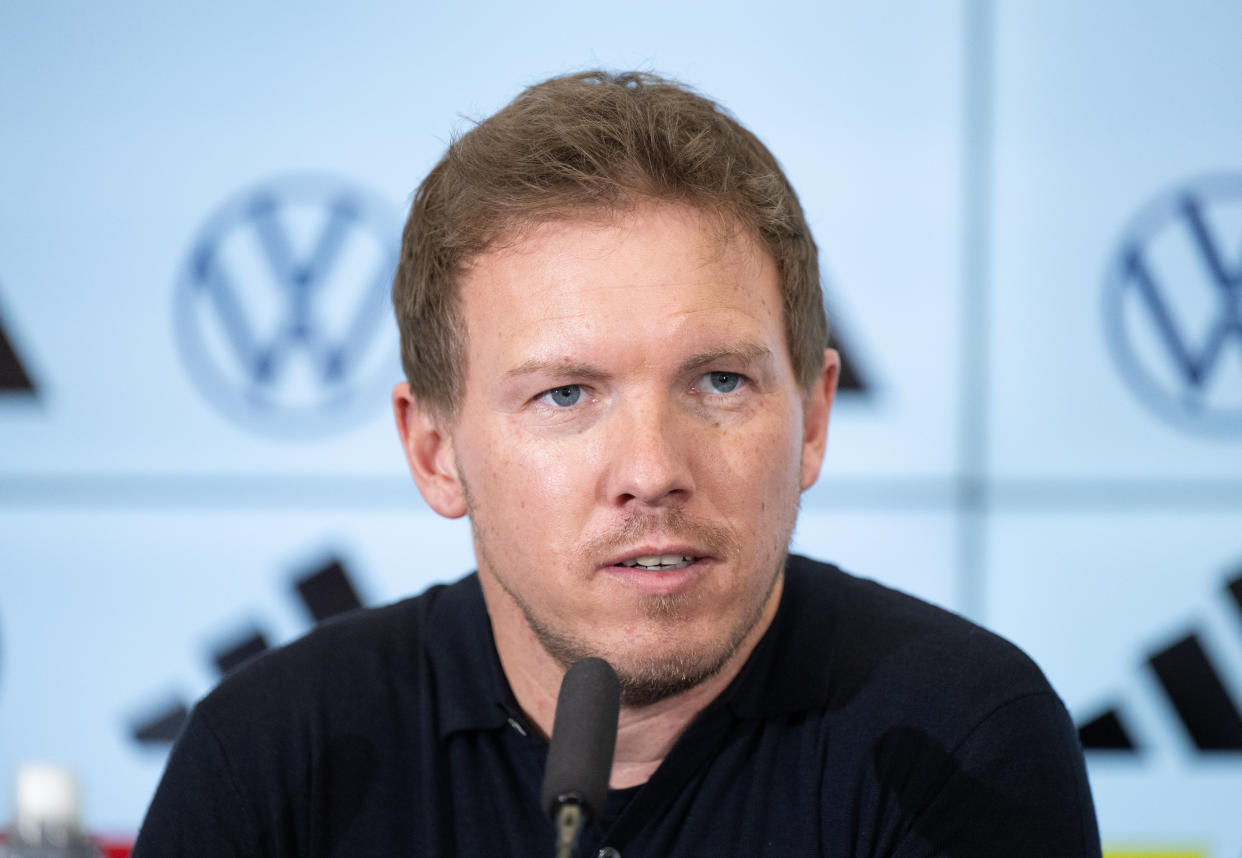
column 584, row 737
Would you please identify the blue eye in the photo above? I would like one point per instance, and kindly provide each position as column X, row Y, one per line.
column 565, row 396
column 721, row 382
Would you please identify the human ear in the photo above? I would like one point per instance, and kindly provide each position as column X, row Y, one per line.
column 428, row 450
column 815, row 410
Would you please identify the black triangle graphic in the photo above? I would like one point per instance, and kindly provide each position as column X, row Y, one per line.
column 1193, row 685
column 240, row 651
column 13, row 376
column 1106, row 733
column 161, row 728
column 328, row 591
column 851, row 379
column 1234, row 587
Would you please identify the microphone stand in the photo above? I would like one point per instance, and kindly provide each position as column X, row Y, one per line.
column 569, row 822
column 584, row 736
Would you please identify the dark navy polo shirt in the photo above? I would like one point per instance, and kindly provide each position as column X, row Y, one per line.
column 865, row 723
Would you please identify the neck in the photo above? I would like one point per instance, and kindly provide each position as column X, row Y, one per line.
column 645, row 734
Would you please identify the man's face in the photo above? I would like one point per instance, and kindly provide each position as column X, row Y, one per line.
column 631, row 443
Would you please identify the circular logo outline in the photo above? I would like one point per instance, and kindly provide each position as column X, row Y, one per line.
column 351, row 402
column 1156, row 215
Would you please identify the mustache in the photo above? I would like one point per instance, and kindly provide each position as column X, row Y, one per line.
column 672, row 525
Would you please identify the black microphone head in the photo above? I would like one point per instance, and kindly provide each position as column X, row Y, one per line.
column 584, row 737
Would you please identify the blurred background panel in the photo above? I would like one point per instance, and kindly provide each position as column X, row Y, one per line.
column 121, row 619
column 1030, row 221
column 1136, row 615
column 1117, row 210
column 1114, row 398
column 174, row 175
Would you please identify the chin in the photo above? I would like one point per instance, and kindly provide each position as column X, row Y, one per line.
column 673, row 657
column 646, row 681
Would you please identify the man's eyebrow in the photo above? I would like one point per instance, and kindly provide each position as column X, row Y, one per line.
column 747, row 353
column 557, row 367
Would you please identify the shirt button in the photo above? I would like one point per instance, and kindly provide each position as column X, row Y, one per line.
column 609, row 852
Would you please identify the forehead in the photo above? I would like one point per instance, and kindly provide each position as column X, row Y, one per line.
column 654, row 260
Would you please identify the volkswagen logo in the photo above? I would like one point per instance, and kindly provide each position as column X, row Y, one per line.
column 282, row 310
column 1173, row 305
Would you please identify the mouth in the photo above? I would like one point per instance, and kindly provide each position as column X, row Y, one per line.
column 658, row 571
column 659, row 562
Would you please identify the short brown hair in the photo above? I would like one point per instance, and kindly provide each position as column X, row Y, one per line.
column 583, row 142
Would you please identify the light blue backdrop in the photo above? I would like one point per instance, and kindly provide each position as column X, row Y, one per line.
column 974, row 173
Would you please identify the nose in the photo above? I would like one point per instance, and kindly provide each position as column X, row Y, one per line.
column 649, row 457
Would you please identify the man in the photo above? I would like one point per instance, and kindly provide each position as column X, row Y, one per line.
column 615, row 348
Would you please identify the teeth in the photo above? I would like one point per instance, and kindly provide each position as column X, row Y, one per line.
column 660, row 561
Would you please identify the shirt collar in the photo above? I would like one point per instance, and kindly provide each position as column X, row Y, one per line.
column 471, row 692
column 787, row 671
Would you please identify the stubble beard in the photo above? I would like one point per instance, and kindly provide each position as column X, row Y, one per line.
column 648, row 678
